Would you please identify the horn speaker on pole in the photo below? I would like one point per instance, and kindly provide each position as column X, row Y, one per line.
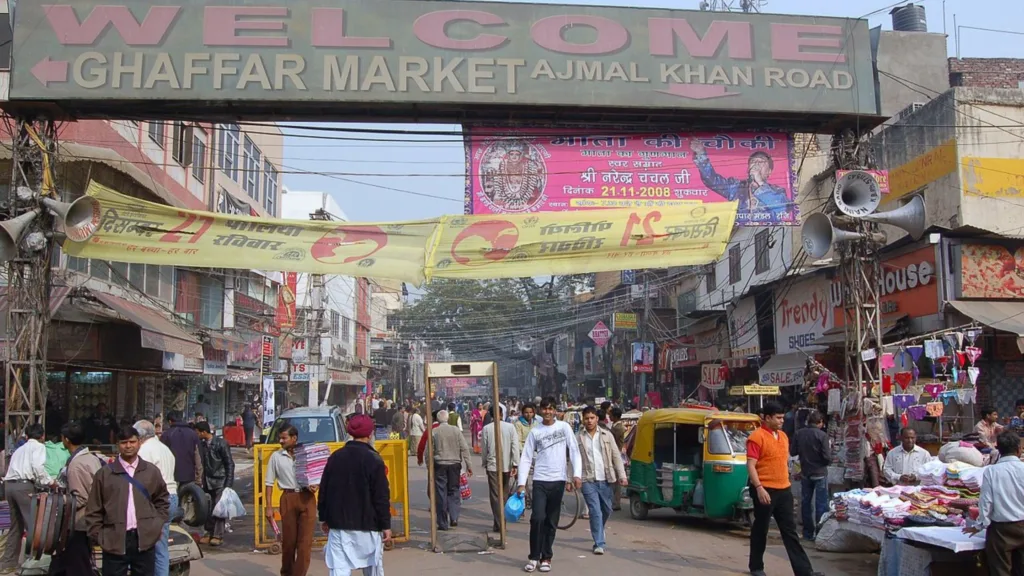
column 910, row 217
column 80, row 218
column 857, row 193
column 819, row 234
column 11, row 232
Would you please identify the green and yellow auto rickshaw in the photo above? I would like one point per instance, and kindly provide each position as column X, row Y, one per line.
column 693, row 460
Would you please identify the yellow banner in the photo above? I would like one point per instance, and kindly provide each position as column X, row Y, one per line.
column 993, row 177
column 479, row 246
column 921, row 171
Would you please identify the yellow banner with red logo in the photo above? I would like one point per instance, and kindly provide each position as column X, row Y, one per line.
column 477, row 246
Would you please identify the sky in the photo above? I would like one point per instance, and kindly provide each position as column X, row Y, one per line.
column 425, row 176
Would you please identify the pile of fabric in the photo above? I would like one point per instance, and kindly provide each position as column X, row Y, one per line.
column 310, row 460
column 932, row 473
column 892, row 508
column 964, row 479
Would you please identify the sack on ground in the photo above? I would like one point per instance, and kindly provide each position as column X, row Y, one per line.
column 514, row 507
column 834, row 538
column 229, row 506
column 464, row 488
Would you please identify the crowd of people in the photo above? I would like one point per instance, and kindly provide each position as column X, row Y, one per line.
column 125, row 503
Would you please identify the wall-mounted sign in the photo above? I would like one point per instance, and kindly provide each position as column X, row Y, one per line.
column 758, row 390
column 643, row 358
column 299, row 373
column 711, row 376
column 624, row 321
column 991, row 271
column 803, row 313
column 440, row 54
column 600, row 334
column 628, row 277
column 908, row 287
column 743, row 328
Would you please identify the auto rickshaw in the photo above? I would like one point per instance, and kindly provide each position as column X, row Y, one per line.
column 693, row 460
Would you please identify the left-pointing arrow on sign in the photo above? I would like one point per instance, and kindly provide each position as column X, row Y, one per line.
column 47, row 70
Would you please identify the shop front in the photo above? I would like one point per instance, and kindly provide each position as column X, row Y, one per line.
column 803, row 315
column 674, row 358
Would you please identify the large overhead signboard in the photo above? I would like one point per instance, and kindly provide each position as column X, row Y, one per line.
column 437, row 55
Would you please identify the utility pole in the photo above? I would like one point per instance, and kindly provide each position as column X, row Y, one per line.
column 316, row 327
column 27, row 245
column 643, row 334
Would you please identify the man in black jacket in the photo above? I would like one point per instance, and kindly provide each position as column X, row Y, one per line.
column 218, row 474
column 811, row 445
column 355, row 504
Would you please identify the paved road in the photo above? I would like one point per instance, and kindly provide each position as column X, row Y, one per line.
column 664, row 543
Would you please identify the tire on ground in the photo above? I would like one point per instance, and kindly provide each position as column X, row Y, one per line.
column 195, row 504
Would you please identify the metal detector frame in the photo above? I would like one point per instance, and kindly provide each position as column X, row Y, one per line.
column 462, row 370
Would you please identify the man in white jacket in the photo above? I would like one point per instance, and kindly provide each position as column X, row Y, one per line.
column 602, row 468
column 545, row 451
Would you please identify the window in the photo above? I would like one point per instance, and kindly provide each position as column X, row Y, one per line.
column 99, row 269
column 735, row 272
column 181, row 143
column 199, row 154
column 335, row 324
column 228, row 145
column 253, row 163
column 346, row 328
column 156, row 133
column 712, row 278
column 762, row 256
column 78, row 264
column 211, row 302
column 269, row 188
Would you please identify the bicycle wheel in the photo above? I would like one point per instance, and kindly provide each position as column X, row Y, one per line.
column 572, row 503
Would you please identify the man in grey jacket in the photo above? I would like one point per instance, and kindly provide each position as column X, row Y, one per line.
column 602, row 468
column 451, row 456
column 509, row 455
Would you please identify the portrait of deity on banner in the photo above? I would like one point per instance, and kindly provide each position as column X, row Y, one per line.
column 513, row 174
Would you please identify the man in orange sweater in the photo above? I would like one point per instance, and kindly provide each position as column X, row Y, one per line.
column 768, row 468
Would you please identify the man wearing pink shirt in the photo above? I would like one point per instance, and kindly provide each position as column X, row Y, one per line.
column 127, row 509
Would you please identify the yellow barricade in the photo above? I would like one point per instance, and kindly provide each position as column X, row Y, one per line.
column 396, row 460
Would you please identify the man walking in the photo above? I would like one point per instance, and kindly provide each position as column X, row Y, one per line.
column 416, row 428
column 76, row 559
column 602, row 468
column 26, row 472
column 451, row 456
column 127, row 509
column 1001, row 507
column 768, row 469
column 155, row 452
column 619, row 433
column 184, row 444
column 248, row 426
column 357, row 516
column 218, row 474
column 509, row 458
column 544, row 452
column 811, row 445
column 298, row 506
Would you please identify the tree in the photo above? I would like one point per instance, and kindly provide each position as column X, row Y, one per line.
column 486, row 318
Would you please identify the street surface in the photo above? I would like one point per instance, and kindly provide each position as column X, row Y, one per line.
column 662, row 544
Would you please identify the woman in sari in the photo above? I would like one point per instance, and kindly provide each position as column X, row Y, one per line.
column 476, row 424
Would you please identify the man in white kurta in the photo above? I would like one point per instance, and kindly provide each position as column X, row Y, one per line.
column 354, row 504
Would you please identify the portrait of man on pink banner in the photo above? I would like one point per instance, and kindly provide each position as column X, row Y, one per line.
column 552, row 170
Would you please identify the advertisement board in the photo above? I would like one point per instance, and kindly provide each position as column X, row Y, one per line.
column 803, row 313
column 908, row 287
column 991, row 271
column 624, row 321
column 398, row 57
column 300, row 372
column 711, row 376
column 643, row 357
column 551, row 170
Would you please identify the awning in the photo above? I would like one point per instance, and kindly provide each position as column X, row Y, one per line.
column 786, row 369
column 837, row 335
column 226, row 342
column 243, row 376
column 340, row 378
column 1005, row 316
column 158, row 332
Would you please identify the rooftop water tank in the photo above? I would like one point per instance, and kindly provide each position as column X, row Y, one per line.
column 909, row 18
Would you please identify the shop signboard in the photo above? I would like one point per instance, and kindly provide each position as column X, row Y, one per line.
column 624, row 321
column 736, row 390
column 993, row 271
column 267, row 396
column 628, row 277
column 758, row 390
column 643, row 357
column 300, row 352
column 743, row 328
column 287, row 301
column 552, row 170
column 300, row 372
column 600, row 334
column 411, row 56
column 215, row 366
column 711, row 376
column 267, row 355
column 803, row 313
column 908, row 287
column 173, row 362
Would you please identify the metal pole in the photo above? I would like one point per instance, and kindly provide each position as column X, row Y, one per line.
column 643, row 336
column 499, row 456
column 316, row 331
column 429, row 456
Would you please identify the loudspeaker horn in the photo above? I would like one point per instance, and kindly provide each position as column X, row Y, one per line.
column 80, row 219
column 857, row 193
column 11, row 232
column 819, row 234
column 910, row 217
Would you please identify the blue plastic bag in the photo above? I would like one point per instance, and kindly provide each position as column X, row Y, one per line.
column 514, row 507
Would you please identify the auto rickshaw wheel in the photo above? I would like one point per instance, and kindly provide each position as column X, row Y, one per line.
column 638, row 509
